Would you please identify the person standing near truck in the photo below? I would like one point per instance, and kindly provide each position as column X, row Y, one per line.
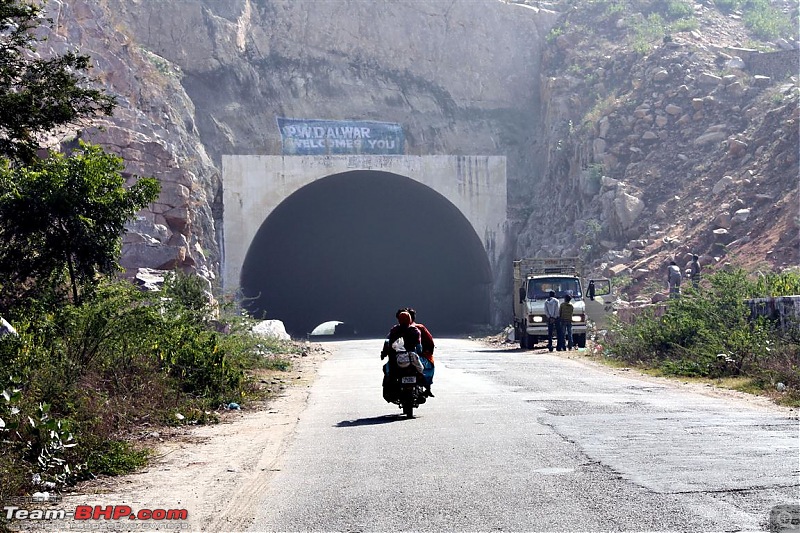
column 565, row 312
column 551, row 313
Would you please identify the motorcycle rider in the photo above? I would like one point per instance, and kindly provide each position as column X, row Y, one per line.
column 427, row 349
column 411, row 340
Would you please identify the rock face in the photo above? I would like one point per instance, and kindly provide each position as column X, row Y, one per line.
column 460, row 77
column 153, row 131
column 658, row 145
column 606, row 146
column 201, row 78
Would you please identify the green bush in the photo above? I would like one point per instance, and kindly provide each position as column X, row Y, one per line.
column 678, row 9
column 77, row 378
column 193, row 357
column 729, row 5
column 614, row 8
column 187, row 293
column 115, row 457
column 685, row 24
column 766, row 21
column 709, row 332
column 648, row 31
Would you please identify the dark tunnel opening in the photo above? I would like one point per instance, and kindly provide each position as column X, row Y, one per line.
column 357, row 246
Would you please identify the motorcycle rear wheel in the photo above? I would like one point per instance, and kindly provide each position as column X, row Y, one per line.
column 408, row 409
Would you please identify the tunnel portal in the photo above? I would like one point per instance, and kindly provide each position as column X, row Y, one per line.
column 356, row 246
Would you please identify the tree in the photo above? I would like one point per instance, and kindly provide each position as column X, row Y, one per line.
column 38, row 95
column 62, row 218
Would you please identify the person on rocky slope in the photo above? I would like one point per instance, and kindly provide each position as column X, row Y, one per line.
column 674, row 279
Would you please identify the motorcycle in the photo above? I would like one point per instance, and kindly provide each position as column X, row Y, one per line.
column 402, row 384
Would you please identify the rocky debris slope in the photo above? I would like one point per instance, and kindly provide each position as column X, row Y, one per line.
column 691, row 147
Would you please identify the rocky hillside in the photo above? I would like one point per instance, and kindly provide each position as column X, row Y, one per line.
column 636, row 132
column 153, row 131
column 202, row 78
column 665, row 142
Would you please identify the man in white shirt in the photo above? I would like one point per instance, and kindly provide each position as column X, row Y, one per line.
column 674, row 279
column 551, row 313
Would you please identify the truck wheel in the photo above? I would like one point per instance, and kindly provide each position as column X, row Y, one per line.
column 580, row 340
column 523, row 340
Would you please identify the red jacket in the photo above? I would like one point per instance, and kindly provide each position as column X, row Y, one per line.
column 426, row 341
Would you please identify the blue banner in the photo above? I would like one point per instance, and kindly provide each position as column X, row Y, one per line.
column 331, row 137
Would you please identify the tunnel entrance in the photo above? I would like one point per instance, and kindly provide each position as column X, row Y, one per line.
column 358, row 245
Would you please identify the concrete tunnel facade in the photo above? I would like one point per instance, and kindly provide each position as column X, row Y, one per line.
column 309, row 239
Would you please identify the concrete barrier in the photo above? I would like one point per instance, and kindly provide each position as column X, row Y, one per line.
column 785, row 310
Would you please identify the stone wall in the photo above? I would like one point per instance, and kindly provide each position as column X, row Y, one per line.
column 785, row 310
column 776, row 65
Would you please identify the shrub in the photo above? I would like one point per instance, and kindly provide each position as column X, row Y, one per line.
column 677, row 9
column 115, row 457
column 83, row 375
column 189, row 293
column 709, row 333
column 766, row 21
column 648, row 31
column 194, row 358
column 686, row 24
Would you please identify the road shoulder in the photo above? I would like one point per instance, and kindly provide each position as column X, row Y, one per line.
column 212, row 471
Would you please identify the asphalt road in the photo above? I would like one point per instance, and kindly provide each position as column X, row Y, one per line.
column 527, row 441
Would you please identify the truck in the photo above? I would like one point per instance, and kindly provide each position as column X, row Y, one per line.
column 534, row 278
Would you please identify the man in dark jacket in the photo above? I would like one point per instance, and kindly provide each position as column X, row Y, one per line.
column 565, row 312
column 694, row 271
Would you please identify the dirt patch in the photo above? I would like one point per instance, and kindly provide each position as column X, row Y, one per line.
column 211, row 471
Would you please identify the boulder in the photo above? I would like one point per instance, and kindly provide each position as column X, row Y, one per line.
column 710, row 137
column 722, row 184
column 736, row 148
column 617, row 270
column 722, row 220
column 735, row 63
column 160, row 257
column 150, row 279
column 658, row 298
column 706, row 78
column 660, row 75
column 271, row 329
column 627, row 208
column 6, row 328
column 740, row 216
